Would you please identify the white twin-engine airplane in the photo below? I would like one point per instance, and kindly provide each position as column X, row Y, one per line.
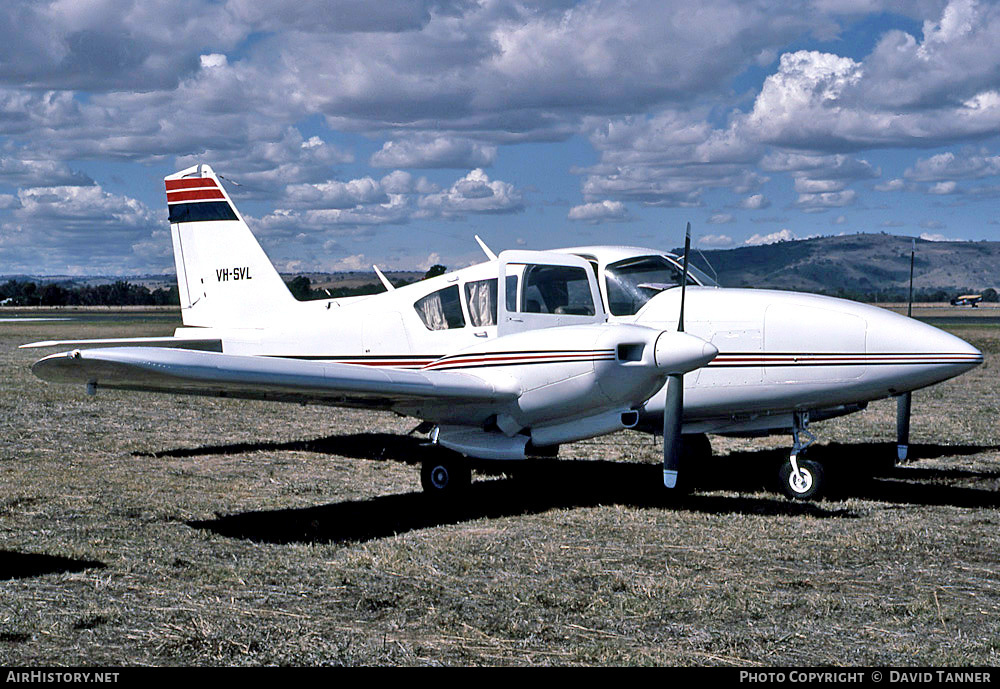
column 509, row 358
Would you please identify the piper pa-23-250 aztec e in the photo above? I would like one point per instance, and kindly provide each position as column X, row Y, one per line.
column 509, row 358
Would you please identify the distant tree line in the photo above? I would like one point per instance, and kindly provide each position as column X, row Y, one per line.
column 302, row 289
column 124, row 293
column 117, row 293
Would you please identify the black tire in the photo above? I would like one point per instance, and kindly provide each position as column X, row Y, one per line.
column 445, row 477
column 696, row 455
column 543, row 451
column 695, row 448
column 808, row 486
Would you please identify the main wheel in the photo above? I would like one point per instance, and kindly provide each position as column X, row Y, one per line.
column 445, row 476
column 695, row 459
column 695, row 447
column 805, row 485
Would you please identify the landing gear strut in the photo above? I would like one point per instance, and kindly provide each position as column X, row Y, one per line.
column 801, row 479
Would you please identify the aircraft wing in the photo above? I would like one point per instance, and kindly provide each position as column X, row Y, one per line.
column 192, row 372
column 207, row 344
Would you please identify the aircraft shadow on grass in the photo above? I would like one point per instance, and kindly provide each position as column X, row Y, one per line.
column 372, row 446
column 862, row 470
column 14, row 565
column 599, row 483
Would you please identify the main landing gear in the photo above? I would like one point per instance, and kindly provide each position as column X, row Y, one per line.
column 695, row 459
column 445, row 476
column 801, row 479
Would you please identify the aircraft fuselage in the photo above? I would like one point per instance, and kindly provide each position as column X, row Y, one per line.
column 780, row 352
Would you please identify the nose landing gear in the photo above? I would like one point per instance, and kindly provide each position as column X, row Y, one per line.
column 801, row 479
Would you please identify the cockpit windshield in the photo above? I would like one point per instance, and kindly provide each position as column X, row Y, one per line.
column 634, row 281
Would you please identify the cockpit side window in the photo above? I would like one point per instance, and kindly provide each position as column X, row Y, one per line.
column 563, row 290
column 441, row 310
column 634, row 281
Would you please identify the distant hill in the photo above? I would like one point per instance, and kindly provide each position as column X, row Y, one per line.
column 868, row 267
column 859, row 264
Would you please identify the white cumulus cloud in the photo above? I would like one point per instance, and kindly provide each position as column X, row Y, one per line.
column 437, row 152
column 474, row 193
column 715, row 241
column 601, row 211
column 755, row 202
column 784, row 235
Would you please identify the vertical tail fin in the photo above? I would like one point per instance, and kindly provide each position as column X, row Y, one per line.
column 224, row 277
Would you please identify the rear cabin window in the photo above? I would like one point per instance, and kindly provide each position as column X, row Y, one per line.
column 441, row 310
column 481, row 296
column 563, row 290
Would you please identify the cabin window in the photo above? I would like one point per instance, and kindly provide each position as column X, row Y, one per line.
column 441, row 310
column 634, row 281
column 563, row 290
column 481, row 296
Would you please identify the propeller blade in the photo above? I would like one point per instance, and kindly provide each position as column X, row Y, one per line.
column 684, row 276
column 673, row 407
column 673, row 410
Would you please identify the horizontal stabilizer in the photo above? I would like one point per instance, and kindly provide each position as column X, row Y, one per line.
column 254, row 377
column 206, row 344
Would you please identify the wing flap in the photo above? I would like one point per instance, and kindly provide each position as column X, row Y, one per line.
column 254, row 377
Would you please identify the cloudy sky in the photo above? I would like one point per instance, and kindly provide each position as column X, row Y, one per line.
column 390, row 132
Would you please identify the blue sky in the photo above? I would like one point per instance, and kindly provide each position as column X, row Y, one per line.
column 391, row 132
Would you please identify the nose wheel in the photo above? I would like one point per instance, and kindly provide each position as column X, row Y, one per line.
column 801, row 479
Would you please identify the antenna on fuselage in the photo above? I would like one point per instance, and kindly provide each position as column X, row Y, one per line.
column 385, row 281
column 486, row 250
column 909, row 304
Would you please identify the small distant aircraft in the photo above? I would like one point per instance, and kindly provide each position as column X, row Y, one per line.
column 509, row 358
column 967, row 300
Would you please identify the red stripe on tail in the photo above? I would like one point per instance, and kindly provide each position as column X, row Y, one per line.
column 190, row 183
column 196, row 195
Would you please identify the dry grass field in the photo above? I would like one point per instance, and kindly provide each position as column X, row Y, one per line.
column 160, row 530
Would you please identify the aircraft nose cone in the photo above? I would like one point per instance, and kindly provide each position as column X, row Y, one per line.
column 922, row 353
column 676, row 352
